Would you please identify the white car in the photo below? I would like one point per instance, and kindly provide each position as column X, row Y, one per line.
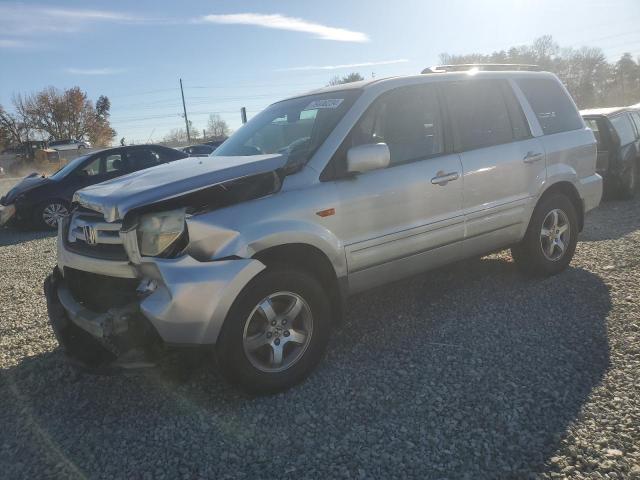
column 69, row 144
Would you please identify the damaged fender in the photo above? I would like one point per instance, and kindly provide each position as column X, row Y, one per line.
column 192, row 298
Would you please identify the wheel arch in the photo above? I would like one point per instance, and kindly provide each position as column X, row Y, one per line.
column 569, row 190
column 312, row 260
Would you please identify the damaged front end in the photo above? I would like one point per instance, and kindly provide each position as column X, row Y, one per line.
column 126, row 290
column 102, row 340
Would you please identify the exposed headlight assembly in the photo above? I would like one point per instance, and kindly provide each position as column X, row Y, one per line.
column 158, row 231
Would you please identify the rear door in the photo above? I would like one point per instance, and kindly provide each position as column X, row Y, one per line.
column 406, row 218
column 503, row 164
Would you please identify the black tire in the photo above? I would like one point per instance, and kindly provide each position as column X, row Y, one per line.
column 235, row 364
column 529, row 255
column 39, row 220
column 629, row 182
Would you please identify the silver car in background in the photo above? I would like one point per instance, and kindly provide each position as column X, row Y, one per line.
column 316, row 198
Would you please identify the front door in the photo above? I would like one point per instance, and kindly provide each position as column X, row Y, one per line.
column 406, row 218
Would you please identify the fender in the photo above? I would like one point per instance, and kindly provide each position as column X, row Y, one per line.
column 244, row 230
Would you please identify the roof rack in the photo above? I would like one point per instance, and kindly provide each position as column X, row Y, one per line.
column 491, row 67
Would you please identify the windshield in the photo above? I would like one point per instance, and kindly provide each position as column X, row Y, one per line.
column 295, row 128
column 69, row 167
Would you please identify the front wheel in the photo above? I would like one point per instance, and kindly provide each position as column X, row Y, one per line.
column 50, row 213
column 275, row 333
column 551, row 238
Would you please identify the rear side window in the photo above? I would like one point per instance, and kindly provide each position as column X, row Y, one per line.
column 624, row 129
column 635, row 116
column 551, row 104
column 479, row 113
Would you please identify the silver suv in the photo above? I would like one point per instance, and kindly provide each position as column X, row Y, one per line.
column 252, row 251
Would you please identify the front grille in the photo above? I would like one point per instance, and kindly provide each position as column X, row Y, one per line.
column 99, row 293
column 104, row 240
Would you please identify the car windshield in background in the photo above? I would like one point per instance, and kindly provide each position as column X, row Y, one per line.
column 295, row 128
column 69, row 167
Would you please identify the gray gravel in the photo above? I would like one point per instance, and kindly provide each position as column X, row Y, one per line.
column 468, row 372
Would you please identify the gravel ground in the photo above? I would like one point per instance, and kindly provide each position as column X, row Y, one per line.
column 471, row 371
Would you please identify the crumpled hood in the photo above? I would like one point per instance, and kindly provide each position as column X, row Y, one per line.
column 28, row 183
column 114, row 198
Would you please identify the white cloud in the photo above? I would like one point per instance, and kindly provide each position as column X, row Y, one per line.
column 282, row 22
column 344, row 66
column 93, row 71
column 12, row 43
column 21, row 19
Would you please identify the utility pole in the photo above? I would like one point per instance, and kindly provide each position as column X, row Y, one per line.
column 184, row 108
column 243, row 115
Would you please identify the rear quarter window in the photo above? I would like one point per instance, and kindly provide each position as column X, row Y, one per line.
column 624, row 129
column 551, row 104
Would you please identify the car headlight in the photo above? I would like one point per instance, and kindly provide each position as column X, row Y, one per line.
column 158, row 231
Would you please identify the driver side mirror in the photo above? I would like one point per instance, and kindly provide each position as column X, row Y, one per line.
column 364, row 158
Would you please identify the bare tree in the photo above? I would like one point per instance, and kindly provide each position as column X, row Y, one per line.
column 352, row 77
column 13, row 128
column 217, row 127
column 592, row 81
column 52, row 113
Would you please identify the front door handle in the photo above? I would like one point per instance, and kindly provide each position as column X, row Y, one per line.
column 442, row 178
column 532, row 157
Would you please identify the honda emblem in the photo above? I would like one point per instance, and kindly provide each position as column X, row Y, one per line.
column 90, row 235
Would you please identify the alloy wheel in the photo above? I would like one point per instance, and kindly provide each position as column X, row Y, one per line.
column 555, row 235
column 278, row 332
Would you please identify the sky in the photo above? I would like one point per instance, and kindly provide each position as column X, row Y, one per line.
column 234, row 53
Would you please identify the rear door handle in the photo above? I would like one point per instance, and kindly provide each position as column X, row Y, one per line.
column 442, row 178
column 532, row 157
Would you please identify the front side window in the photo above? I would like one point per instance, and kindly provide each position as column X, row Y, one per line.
column 479, row 113
column 553, row 107
column 93, row 168
column 141, row 158
column 408, row 120
column 294, row 128
column 624, row 129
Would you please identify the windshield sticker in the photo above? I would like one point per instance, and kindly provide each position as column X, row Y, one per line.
column 328, row 103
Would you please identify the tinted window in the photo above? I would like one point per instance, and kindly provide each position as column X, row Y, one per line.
column 408, row 120
column 622, row 125
column 553, row 107
column 202, row 150
column 113, row 163
column 93, row 168
column 140, row 158
column 168, row 154
column 479, row 113
column 635, row 116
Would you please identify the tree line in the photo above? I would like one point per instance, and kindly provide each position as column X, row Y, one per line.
column 590, row 78
column 54, row 114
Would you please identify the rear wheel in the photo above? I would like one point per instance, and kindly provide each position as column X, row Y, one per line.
column 50, row 213
column 551, row 238
column 629, row 182
column 275, row 333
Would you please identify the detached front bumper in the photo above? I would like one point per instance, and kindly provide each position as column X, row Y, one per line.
column 101, row 342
